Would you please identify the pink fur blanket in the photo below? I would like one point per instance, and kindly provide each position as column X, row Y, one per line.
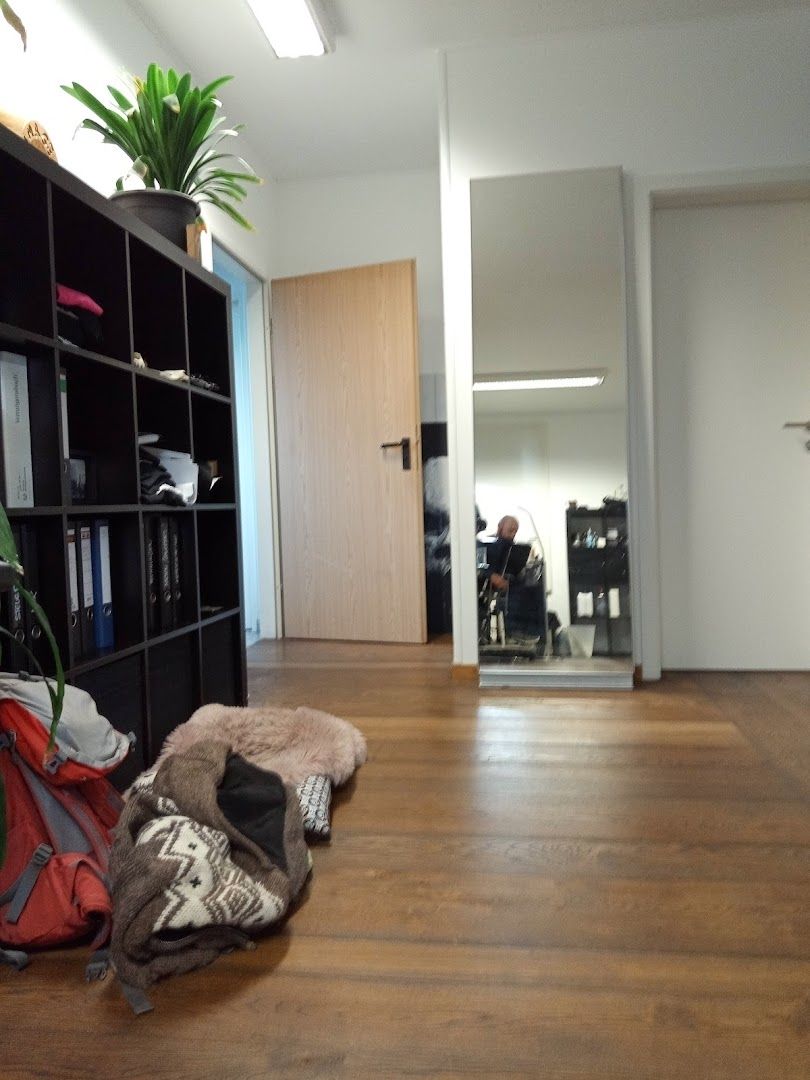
column 295, row 743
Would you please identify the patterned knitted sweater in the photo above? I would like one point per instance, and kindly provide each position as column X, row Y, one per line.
column 209, row 850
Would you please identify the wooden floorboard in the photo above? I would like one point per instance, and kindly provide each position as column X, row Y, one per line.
column 519, row 885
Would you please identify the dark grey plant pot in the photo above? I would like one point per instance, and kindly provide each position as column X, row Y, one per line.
column 168, row 212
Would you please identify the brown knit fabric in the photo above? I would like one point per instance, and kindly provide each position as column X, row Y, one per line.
column 143, row 879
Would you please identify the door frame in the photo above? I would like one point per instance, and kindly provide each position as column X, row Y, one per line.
column 264, row 453
column 646, row 194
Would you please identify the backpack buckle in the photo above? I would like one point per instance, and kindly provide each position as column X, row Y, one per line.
column 55, row 762
column 42, row 855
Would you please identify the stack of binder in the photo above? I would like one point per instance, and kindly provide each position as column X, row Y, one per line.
column 92, row 624
column 164, row 573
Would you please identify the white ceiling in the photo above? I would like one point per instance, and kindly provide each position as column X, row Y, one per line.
column 370, row 106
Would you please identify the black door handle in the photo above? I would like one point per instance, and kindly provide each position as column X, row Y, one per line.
column 405, row 443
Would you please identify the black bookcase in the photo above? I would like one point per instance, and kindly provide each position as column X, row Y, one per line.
column 159, row 302
column 597, row 570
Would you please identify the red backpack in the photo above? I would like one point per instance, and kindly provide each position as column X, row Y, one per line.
column 60, row 812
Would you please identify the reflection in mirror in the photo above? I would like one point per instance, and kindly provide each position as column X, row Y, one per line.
column 551, row 429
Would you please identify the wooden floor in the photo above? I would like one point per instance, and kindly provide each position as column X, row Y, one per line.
column 558, row 886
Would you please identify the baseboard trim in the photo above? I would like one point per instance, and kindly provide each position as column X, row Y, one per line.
column 512, row 677
column 464, row 672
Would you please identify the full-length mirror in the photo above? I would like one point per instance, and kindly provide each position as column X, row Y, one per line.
column 550, row 389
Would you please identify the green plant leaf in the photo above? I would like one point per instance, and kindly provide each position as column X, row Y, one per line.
column 121, row 100
column 8, row 549
column 57, row 695
column 119, row 129
column 14, row 21
column 211, row 89
column 183, row 86
column 196, row 171
column 140, row 168
column 229, row 209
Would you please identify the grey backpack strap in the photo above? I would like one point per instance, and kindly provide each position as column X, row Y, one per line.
column 14, row 958
column 137, row 999
column 17, row 894
column 98, row 966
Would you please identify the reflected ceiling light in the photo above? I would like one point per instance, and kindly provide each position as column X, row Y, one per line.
column 558, row 380
column 294, row 28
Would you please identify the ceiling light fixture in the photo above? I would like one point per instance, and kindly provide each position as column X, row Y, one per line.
column 561, row 380
column 294, row 28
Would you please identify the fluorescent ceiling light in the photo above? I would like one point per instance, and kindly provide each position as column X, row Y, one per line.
column 293, row 27
column 552, row 381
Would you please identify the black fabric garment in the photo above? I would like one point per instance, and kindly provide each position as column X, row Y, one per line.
column 498, row 554
column 507, row 558
column 255, row 803
column 79, row 326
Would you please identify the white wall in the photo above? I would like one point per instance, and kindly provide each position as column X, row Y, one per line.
column 541, row 463
column 339, row 222
column 679, row 97
column 95, row 42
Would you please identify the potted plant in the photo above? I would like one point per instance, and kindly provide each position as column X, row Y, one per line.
column 12, row 576
column 172, row 134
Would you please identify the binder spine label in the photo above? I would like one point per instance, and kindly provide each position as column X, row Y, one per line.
column 87, row 567
column 74, row 574
column 104, row 550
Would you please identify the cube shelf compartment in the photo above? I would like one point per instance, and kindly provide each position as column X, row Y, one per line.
column 213, row 442
column 220, row 660
column 217, row 541
column 119, row 690
column 127, row 592
column 25, row 282
column 174, row 685
column 164, row 410
column 208, row 334
column 158, row 310
column 90, row 254
column 43, row 396
column 185, row 609
column 41, row 544
column 101, row 427
column 157, row 301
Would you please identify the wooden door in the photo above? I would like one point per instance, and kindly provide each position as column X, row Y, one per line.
column 346, row 372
